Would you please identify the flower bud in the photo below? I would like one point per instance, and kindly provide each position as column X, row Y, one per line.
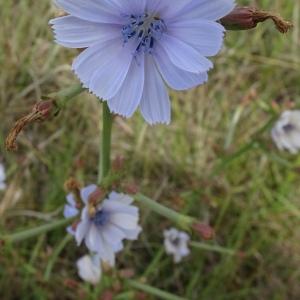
column 44, row 109
column 131, row 188
column 241, row 18
column 205, row 231
column 244, row 18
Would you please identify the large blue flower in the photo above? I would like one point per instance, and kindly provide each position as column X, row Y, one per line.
column 134, row 47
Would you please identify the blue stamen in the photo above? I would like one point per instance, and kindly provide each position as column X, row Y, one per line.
column 101, row 218
column 146, row 30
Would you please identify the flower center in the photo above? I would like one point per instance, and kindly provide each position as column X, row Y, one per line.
column 175, row 241
column 145, row 29
column 101, row 218
column 288, row 128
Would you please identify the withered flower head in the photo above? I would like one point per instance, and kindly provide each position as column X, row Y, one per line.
column 40, row 112
column 244, row 18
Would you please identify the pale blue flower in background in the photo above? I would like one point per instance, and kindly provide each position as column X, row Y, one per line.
column 89, row 268
column 137, row 47
column 2, row 177
column 286, row 131
column 112, row 221
column 176, row 244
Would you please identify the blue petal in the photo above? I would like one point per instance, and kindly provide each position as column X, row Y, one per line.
column 70, row 211
column 73, row 32
column 92, row 10
column 71, row 200
column 131, row 6
column 109, row 78
column 70, row 230
column 103, row 67
column 206, row 9
column 87, row 191
column 155, row 105
column 184, row 56
column 93, row 59
column 204, row 36
column 81, row 231
column 166, row 8
column 126, row 101
column 176, row 78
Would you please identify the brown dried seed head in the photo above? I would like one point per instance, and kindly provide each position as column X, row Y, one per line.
column 40, row 112
column 72, row 184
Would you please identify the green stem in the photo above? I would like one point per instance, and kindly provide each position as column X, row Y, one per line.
column 29, row 233
column 105, row 144
column 153, row 291
column 182, row 220
column 154, row 265
column 55, row 255
column 62, row 97
column 214, row 248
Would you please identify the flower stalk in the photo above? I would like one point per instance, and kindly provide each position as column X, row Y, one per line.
column 183, row 221
column 105, row 144
column 152, row 290
column 212, row 248
column 29, row 233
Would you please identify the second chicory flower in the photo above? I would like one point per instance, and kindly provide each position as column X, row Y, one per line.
column 104, row 224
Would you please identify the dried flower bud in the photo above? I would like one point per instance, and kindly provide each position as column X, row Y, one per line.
column 118, row 163
column 70, row 283
column 73, row 186
column 44, row 109
column 97, row 196
column 141, row 296
column 40, row 112
column 74, row 225
column 127, row 273
column 107, row 295
column 205, row 231
column 131, row 188
column 244, row 18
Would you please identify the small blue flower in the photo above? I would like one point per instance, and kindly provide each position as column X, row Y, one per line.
column 136, row 47
column 104, row 227
column 104, row 224
column 286, row 131
column 176, row 243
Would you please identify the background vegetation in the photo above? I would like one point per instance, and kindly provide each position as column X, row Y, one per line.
column 216, row 162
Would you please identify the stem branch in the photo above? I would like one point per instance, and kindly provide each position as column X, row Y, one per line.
column 182, row 220
column 29, row 233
